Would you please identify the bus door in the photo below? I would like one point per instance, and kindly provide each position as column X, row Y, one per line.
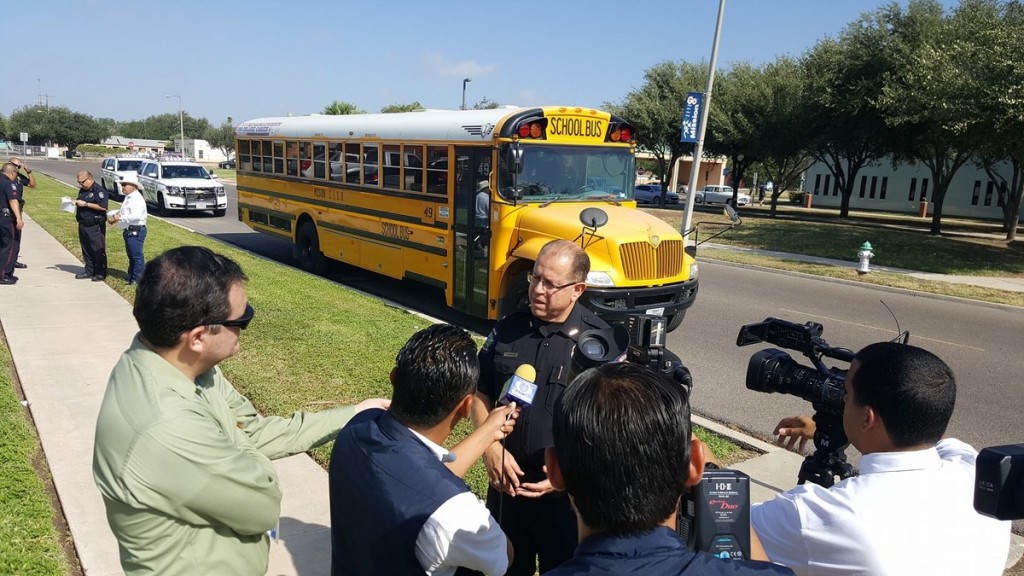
column 472, row 233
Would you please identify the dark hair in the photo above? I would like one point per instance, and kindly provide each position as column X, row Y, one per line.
column 622, row 436
column 912, row 390
column 434, row 371
column 183, row 288
column 579, row 261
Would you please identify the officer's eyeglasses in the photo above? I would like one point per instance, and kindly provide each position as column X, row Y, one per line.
column 546, row 286
column 241, row 322
column 83, row 181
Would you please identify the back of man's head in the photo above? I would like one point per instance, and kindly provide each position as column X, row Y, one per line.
column 435, row 370
column 622, row 440
column 183, row 288
column 911, row 389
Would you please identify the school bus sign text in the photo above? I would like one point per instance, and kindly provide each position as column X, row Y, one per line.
column 577, row 128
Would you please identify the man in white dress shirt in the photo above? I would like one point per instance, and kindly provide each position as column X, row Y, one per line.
column 910, row 511
column 132, row 218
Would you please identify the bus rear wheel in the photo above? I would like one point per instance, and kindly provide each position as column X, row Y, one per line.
column 307, row 245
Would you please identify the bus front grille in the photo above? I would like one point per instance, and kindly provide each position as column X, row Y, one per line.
column 642, row 261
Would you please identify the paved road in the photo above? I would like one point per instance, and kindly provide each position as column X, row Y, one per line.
column 980, row 342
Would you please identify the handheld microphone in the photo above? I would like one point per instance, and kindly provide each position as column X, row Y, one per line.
column 520, row 387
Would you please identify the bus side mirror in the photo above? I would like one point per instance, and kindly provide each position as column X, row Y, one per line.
column 515, row 158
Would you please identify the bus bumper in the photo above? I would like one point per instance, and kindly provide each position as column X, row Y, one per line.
column 614, row 305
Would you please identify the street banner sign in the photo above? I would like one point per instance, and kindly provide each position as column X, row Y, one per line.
column 691, row 117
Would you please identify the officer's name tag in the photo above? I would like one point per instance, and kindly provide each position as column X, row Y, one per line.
column 510, row 354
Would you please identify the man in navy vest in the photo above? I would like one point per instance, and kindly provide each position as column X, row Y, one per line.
column 624, row 453
column 398, row 504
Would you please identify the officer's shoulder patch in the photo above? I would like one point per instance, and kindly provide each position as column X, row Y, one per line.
column 101, row 195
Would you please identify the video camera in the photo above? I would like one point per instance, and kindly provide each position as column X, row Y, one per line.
column 772, row 370
column 640, row 340
column 999, row 482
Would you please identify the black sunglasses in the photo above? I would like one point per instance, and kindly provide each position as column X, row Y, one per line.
column 241, row 322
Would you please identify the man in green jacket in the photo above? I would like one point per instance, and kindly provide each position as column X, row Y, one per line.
column 181, row 458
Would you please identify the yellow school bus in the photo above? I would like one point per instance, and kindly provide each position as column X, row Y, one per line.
column 464, row 200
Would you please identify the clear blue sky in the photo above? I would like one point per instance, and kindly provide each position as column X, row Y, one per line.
column 248, row 59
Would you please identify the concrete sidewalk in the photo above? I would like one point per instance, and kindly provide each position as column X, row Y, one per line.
column 65, row 335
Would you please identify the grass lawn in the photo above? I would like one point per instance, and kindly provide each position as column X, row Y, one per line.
column 966, row 248
column 30, row 544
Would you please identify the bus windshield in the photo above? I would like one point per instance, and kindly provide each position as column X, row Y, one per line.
column 570, row 173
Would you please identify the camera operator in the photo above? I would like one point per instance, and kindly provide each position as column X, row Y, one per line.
column 910, row 510
column 624, row 453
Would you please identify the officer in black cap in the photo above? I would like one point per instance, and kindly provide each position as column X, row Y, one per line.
column 10, row 221
column 26, row 179
column 92, row 227
column 538, row 520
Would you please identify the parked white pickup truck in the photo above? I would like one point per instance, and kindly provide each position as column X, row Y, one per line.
column 180, row 185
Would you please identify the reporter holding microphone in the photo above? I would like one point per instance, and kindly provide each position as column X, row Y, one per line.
column 538, row 520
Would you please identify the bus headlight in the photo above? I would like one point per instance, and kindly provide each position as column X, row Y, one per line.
column 693, row 271
column 599, row 279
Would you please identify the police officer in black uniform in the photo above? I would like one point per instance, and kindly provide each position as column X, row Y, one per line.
column 92, row 227
column 26, row 179
column 10, row 221
column 538, row 521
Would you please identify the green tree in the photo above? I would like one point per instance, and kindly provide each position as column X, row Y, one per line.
column 845, row 132
column 57, row 124
column 410, row 107
column 927, row 97
column 164, row 127
column 997, row 29
column 222, row 137
column 654, row 110
column 485, row 103
column 739, row 103
column 338, row 108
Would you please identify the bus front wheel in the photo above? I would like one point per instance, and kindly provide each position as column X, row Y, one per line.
column 516, row 295
column 307, row 245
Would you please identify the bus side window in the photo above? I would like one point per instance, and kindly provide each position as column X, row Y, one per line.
column 371, row 175
column 268, row 160
column 244, row 158
column 278, row 157
column 437, row 170
column 391, row 163
column 319, row 160
column 336, row 165
column 413, row 169
column 353, row 162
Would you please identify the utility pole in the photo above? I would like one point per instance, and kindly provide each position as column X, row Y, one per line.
column 698, row 150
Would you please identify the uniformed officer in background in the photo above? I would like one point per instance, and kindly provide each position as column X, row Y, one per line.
column 26, row 179
column 538, row 521
column 92, row 227
column 11, row 221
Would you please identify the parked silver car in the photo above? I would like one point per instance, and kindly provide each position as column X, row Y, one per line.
column 651, row 194
column 713, row 194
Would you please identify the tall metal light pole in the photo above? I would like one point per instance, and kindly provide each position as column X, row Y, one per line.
column 698, row 151
column 464, row 82
column 181, row 122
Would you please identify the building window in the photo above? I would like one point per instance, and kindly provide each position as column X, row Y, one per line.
column 885, row 185
column 924, row 189
column 988, row 193
column 863, row 185
column 913, row 189
column 200, row 152
column 828, row 180
column 817, row 183
column 977, row 193
column 874, row 184
column 835, row 189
